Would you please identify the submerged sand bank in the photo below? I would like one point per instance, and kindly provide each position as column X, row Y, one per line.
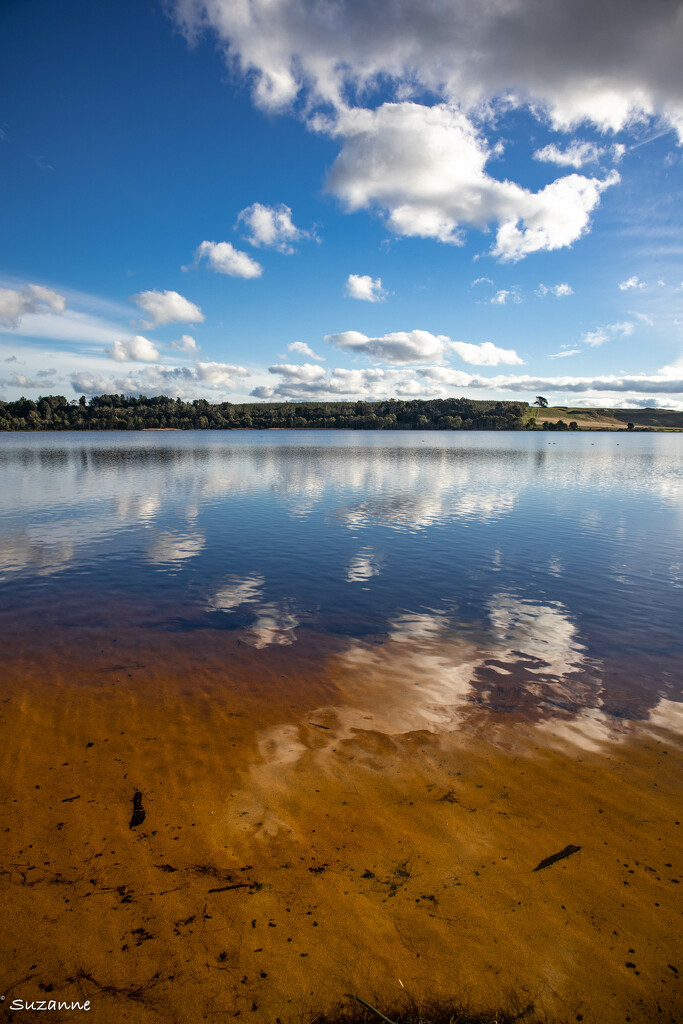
column 301, row 841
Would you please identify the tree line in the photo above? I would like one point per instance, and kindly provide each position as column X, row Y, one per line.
column 123, row 412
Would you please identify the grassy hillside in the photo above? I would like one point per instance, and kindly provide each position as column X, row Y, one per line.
column 611, row 419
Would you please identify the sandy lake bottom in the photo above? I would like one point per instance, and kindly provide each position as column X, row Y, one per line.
column 305, row 838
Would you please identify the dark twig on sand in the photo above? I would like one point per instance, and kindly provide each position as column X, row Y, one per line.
column 567, row 852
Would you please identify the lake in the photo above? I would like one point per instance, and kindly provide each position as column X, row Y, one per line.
column 365, row 683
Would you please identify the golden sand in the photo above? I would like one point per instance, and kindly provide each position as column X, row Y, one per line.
column 310, row 830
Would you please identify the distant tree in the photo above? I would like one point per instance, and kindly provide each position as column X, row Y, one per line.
column 630, row 426
column 541, row 402
column 573, row 425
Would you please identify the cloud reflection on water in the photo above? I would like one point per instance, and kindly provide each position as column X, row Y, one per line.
column 362, row 567
column 85, row 489
column 171, row 548
column 274, row 622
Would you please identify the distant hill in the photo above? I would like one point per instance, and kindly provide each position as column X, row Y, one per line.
column 612, row 419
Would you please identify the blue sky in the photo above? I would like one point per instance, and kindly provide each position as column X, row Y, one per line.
column 292, row 200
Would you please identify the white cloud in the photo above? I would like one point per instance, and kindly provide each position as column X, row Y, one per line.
column 167, row 307
column 565, row 353
column 305, row 373
column 486, row 354
column 404, row 347
column 92, row 384
column 42, row 380
column 186, row 344
column 136, row 348
column 569, row 60
column 481, row 280
column 302, row 349
column 576, row 154
column 501, row 297
column 609, row 331
column 444, row 380
column 674, row 369
column 551, row 219
column 182, row 381
column 225, row 259
column 565, row 62
column 631, row 282
column 399, row 347
column 68, row 326
column 15, row 303
column 219, row 375
column 597, row 337
column 270, row 226
column 560, row 291
column 362, row 286
column 425, row 167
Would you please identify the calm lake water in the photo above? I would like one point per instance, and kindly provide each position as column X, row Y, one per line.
column 398, row 707
column 560, row 559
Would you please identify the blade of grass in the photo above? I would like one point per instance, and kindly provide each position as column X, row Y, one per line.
column 369, row 1007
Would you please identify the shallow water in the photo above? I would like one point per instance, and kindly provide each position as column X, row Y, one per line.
column 437, row 658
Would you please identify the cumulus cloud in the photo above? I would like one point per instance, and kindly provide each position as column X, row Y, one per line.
column 486, row 354
column 270, row 226
column 183, row 381
column 631, row 282
column 132, row 349
column 34, row 298
column 566, row 62
column 404, row 347
column 425, row 167
column 167, row 307
column 305, row 373
column 608, row 332
column 302, row 349
column 399, row 347
column 219, row 375
column 576, row 154
column 550, row 219
column 362, row 286
column 225, row 259
column 186, row 344
column 91, row 384
column 21, row 380
column 560, row 291
column 569, row 60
